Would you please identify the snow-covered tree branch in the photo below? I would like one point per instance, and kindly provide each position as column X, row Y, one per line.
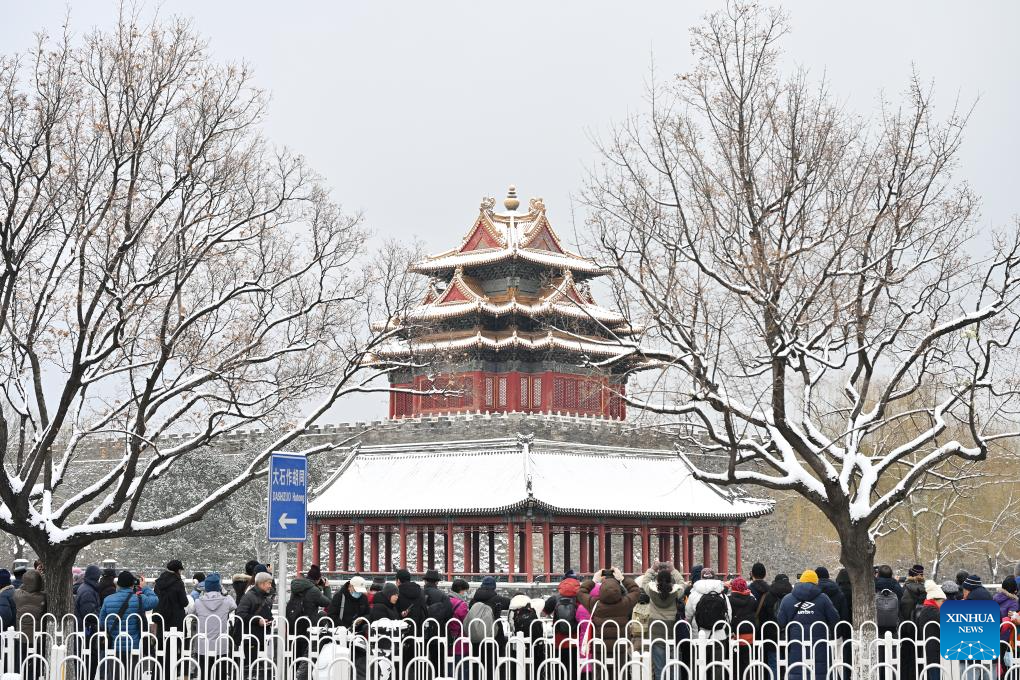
column 815, row 279
column 169, row 278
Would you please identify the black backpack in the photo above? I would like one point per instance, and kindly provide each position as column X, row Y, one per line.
column 295, row 609
column 524, row 618
column 565, row 610
column 440, row 608
column 710, row 610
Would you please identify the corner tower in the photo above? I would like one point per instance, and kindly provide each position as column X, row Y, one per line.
column 509, row 324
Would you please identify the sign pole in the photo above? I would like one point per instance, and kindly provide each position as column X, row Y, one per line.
column 283, row 589
column 287, row 523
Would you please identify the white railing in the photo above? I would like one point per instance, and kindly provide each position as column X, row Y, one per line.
column 137, row 649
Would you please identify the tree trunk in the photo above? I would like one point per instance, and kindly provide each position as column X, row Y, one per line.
column 857, row 553
column 57, row 564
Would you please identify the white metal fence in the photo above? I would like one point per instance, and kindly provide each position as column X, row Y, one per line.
column 387, row 650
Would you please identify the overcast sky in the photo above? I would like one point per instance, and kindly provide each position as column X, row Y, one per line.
column 413, row 111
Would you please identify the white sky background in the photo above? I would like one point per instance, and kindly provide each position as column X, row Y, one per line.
column 415, row 110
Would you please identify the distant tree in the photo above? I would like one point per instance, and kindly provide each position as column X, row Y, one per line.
column 803, row 272
column 168, row 278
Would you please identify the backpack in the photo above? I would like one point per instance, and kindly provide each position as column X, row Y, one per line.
column 523, row 620
column 441, row 609
column 887, row 608
column 480, row 622
column 565, row 610
column 295, row 609
column 710, row 610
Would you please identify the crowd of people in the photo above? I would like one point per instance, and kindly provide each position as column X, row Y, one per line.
column 605, row 612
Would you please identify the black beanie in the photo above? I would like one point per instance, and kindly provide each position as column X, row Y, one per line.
column 822, row 572
column 758, row 570
column 125, row 579
column 174, row 565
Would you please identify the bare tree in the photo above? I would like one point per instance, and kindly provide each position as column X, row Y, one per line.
column 169, row 278
column 803, row 272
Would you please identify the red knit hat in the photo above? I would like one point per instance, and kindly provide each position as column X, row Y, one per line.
column 569, row 587
column 739, row 585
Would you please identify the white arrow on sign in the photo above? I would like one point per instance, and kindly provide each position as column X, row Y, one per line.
column 286, row 521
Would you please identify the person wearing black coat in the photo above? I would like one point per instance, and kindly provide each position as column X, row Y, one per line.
column 107, row 584
column 768, row 623
column 758, row 586
column 834, row 593
column 349, row 603
column 173, row 598
column 411, row 604
column 87, row 601
column 885, row 581
column 843, row 581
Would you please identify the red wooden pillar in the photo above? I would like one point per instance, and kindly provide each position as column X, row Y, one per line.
column 688, row 541
column 510, row 550
column 432, row 547
column 736, row 549
column 419, row 544
column 403, row 546
column 467, row 549
column 316, row 553
column 706, row 547
column 373, row 548
column 603, row 555
column 566, row 550
column 359, row 549
column 547, row 550
column 449, row 551
column 388, row 549
column 628, row 550
column 529, row 558
column 646, row 547
column 300, row 558
column 522, row 545
column 724, row 551
column 331, row 548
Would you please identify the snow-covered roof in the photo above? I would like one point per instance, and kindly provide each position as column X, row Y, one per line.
column 504, row 475
column 499, row 341
column 464, row 296
column 495, row 237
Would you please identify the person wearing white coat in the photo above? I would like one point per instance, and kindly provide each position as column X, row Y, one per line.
column 213, row 610
column 707, row 584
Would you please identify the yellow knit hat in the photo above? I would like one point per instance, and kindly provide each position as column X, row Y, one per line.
column 809, row 576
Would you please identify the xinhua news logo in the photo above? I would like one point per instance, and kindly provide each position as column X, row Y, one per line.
column 969, row 630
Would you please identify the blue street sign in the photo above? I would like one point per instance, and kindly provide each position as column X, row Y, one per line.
column 288, row 493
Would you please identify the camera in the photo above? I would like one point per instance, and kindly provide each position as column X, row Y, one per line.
column 607, row 573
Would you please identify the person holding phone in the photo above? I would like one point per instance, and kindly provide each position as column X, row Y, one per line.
column 611, row 609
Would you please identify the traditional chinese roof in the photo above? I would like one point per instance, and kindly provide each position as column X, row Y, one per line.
column 465, row 296
column 501, row 236
column 506, row 340
column 506, row 475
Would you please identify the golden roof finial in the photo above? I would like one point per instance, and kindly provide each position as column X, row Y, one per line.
column 511, row 202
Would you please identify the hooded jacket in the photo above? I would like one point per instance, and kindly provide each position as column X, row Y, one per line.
column 759, row 587
column 698, row 591
column 30, row 603
column 412, row 600
column 835, row 595
column 107, row 584
column 843, row 581
column 1007, row 603
column 807, row 616
column 8, row 610
column 613, row 605
column 768, row 625
column 913, row 596
column 381, row 607
column 127, row 634
column 173, row 601
column 87, row 601
column 742, row 610
column 662, row 608
column 345, row 608
column 213, row 609
column 312, row 602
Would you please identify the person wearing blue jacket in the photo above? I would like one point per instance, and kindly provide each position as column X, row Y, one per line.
column 123, row 612
column 87, row 601
column 808, row 617
column 8, row 611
